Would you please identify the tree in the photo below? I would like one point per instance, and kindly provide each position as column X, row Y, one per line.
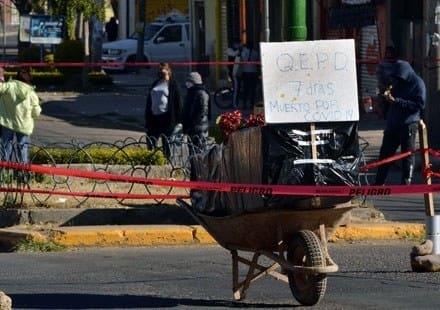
column 76, row 11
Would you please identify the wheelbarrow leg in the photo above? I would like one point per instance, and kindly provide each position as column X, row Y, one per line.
column 235, row 286
column 323, row 237
column 240, row 288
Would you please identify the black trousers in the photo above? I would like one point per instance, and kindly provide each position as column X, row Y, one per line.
column 250, row 80
column 392, row 139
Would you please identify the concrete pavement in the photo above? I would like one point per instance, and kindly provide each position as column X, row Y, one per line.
column 373, row 275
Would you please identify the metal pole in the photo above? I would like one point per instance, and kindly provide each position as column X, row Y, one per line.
column 191, row 34
column 4, row 29
column 296, row 20
column 266, row 21
column 433, row 108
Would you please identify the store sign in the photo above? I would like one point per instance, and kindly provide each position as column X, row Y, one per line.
column 46, row 29
column 312, row 81
column 352, row 16
column 25, row 28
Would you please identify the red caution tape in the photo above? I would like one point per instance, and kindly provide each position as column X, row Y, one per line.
column 91, row 194
column 388, row 160
column 140, row 64
column 253, row 189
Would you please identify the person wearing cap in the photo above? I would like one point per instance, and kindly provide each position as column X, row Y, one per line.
column 163, row 110
column 405, row 97
column 196, row 108
column 19, row 107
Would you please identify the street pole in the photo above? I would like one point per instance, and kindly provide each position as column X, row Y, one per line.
column 433, row 71
column 296, row 20
column 141, row 36
column 4, row 30
column 266, row 21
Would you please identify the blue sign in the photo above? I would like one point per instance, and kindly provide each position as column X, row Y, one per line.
column 46, row 29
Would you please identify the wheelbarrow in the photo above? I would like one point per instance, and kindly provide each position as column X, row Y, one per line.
column 289, row 238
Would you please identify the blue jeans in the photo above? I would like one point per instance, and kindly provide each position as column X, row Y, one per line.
column 14, row 151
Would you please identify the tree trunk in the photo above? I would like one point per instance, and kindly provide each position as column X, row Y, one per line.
column 79, row 27
column 86, row 40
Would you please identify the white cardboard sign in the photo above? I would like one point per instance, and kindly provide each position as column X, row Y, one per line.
column 310, row 82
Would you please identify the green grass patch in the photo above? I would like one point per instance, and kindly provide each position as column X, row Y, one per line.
column 38, row 246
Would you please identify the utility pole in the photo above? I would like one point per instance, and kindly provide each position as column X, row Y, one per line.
column 266, row 21
column 141, row 36
column 296, row 20
column 432, row 73
column 4, row 29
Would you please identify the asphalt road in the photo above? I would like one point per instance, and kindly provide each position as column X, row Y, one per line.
column 372, row 276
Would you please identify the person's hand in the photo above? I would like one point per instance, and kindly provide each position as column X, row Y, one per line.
column 389, row 96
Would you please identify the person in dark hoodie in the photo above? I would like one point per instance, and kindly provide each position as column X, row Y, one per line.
column 164, row 104
column 405, row 98
column 196, row 108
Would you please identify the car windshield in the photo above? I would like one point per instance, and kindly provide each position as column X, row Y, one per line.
column 150, row 31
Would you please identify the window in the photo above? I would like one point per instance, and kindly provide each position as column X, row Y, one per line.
column 171, row 34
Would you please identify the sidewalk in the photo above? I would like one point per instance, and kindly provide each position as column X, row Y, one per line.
column 409, row 211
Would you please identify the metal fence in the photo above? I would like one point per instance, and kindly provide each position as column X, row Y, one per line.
column 165, row 158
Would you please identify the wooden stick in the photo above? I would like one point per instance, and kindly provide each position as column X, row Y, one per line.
column 423, row 140
column 316, row 201
column 235, row 288
column 323, row 237
column 249, row 275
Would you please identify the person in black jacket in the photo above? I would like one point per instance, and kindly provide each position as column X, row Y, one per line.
column 196, row 108
column 405, row 98
column 111, row 28
column 164, row 104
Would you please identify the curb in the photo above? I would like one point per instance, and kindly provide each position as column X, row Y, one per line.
column 382, row 231
column 166, row 235
column 9, row 238
column 152, row 235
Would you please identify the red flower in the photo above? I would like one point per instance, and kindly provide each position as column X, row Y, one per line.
column 232, row 121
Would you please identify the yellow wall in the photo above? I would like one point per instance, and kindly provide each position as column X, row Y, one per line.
column 156, row 8
column 109, row 13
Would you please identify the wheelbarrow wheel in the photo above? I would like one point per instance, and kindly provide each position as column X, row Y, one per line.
column 305, row 249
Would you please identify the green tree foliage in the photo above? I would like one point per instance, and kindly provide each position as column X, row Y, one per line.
column 71, row 9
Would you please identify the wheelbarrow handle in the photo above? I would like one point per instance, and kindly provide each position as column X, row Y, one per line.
column 183, row 203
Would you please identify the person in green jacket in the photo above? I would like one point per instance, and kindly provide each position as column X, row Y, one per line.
column 19, row 107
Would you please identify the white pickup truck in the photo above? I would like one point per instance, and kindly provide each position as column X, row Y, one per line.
column 164, row 42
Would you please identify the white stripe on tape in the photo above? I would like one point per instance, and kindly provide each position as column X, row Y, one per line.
column 313, row 161
column 308, row 133
column 307, row 143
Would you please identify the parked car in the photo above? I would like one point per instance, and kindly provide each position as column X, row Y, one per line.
column 165, row 41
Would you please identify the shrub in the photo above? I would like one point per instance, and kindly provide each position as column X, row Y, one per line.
column 100, row 79
column 30, row 54
column 109, row 155
column 42, row 78
column 70, row 51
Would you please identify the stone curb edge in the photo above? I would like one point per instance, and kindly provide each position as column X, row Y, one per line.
column 161, row 235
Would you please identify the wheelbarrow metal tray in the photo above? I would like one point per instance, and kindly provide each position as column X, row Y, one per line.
column 264, row 230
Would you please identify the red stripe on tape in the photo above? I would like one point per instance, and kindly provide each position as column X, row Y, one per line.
column 91, row 194
column 253, row 189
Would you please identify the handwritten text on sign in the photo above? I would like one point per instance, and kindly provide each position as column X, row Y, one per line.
column 313, row 81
